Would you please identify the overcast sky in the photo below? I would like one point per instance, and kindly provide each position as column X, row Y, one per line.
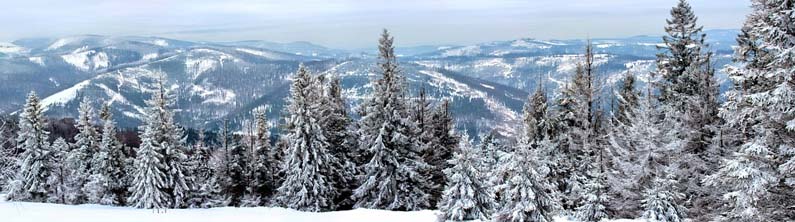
column 356, row 23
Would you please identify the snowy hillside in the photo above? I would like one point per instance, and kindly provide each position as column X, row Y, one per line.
column 36, row 212
column 488, row 82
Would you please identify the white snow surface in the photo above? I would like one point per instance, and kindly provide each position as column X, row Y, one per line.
column 64, row 96
column 160, row 42
column 149, row 56
column 463, row 51
column 38, row 60
column 10, row 48
column 266, row 54
column 60, row 43
column 87, row 60
column 37, row 212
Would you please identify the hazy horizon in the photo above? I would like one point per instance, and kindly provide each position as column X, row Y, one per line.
column 351, row 24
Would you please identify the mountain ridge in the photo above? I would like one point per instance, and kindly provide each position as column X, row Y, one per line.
column 488, row 82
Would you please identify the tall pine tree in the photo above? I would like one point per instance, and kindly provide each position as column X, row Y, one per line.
column 30, row 182
column 689, row 87
column 438, row 148
column 308, row 176
column 336, row 125
column 759, row 176
column 576, row 140
column 59, row 174
column 108, row 180
column 263, row 179
column 159, row 181
column 392, row 176
column 80, row 160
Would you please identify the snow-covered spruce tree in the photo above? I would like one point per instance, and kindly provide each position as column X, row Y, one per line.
column 206, row 190
column 59, row 173
column 759, row 176
column 438, row 149
column 216, row 189
column 624, row 137
column 263, row 180
column 149, row 178
column 421, row 115
column 30, row 182
column 467, row 195
column 391, row 178
column 642, row 150
column 107, row 184
column 160, row 157
column 491, row 151
column 80, row 160
column 526, row 195
column 308, row 184
column 688, row 86
column 495, row 154
column 336, row 125
column 537, row 121
column 682, row 50
column 172, row 144
column 229, row 171
column 594, row 207
column 238, row 178
column 8, row 151
column 660, row 201
column 576, row 134
column 627, row 98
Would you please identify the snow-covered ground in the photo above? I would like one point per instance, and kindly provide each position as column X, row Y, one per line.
column 38, row 212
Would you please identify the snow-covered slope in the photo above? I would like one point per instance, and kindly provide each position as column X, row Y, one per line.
column 208, row 83
column 37, row 212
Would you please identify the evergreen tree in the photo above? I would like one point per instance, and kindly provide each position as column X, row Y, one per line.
column 642, row 150
column 660, row 201
column 758, row 176
column 264, row 168
column 80, row 160
column 108, row 181
column 627, row 99
column 688, row 86
column 526, row 195
column 30, row 182
column 576, row 139
column 595, row 202
column 8, row 151
column 59, row 174
column 438, row 149
column 218, row 189
column 632, row 124
column 308, row 181
column 149, row 177
column 336, row 125
column 206, row 191
column 159, row 181
column 491, row 151
column 238, row 180
column 537, row 121
column 466, row 196
column 495, row 155
column 392, row 177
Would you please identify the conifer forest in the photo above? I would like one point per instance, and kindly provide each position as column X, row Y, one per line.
column 700, row 135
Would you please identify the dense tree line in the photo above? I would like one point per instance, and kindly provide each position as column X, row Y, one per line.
column 666, row 150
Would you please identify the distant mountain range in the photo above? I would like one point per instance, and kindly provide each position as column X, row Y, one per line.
column 487, row 82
